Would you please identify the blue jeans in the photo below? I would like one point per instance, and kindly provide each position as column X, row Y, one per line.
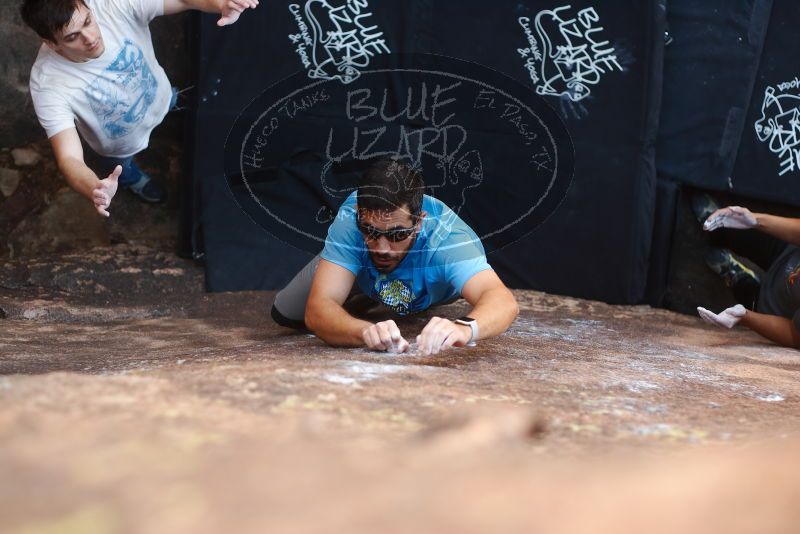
column 131, row 173
column 103, row 166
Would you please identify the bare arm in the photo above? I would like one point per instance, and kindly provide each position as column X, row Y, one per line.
column 325, row 315
column 784, row 228
column 739, row 218
column 229, row 9
column 69, row 157
column 773, row 327
column 495, row 307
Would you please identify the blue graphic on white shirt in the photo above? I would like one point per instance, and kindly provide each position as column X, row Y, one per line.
column 122, row 94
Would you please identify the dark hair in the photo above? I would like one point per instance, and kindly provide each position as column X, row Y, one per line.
column 49, row 17
column 389, row 184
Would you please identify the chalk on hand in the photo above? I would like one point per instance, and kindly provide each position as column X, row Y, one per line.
column 398, row 346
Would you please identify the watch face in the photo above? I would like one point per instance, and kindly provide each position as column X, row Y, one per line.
column 466, row 319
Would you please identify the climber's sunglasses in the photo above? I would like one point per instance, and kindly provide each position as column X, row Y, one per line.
column 395, row 235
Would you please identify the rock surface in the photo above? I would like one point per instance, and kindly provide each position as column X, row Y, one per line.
column 134, row 402
column 42, row 215
column 25, row 157
column 69, row 222
column 9, row 180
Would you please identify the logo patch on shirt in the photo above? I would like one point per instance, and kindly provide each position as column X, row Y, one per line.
column 121, row 96
column 396, row 295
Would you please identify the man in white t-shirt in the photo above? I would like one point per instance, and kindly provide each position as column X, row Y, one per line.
column 97, row 77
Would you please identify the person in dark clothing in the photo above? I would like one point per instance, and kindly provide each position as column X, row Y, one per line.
column 768, row 281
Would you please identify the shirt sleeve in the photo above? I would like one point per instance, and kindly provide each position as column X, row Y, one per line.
column 147, row 10
column 344, row 245
column 143, row 11
column 460, row 259
column 796, row 320
column 53, row 111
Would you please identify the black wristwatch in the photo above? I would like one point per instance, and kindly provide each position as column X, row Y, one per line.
column 473, row 326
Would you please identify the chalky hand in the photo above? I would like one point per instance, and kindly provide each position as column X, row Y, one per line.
column 726, row 318
column 440, row 334
column 105, row 191
column 734, row 217
column 231, row 10
column 384, row 336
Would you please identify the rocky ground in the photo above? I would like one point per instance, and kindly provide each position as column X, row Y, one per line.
column 132, row 401
column 40, row 214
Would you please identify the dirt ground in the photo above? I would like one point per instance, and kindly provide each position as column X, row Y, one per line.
column 131, row 401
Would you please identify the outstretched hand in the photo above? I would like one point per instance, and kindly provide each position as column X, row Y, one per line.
column 735, row 217
column 724, row 319
column 105, row 191
column 231, row 10
column 440, row 334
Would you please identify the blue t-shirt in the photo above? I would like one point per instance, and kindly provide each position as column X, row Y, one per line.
column 445, row 254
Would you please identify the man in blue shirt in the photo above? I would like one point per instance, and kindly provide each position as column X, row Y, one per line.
column 407, row 251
